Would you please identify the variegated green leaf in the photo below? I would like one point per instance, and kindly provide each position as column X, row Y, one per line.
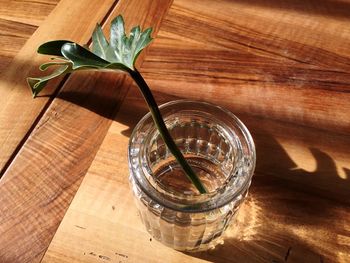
column 123, row 49
column 119, row 54
column 99, row 43
column 118, row 36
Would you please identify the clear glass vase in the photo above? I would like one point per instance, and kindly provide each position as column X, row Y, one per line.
column 221, row 151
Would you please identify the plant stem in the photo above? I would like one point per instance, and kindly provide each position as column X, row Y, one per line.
column 158, row 120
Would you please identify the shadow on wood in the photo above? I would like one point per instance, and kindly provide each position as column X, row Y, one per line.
column 284, row 218
column 281, row 222
column 272, row 158
column 337, row 9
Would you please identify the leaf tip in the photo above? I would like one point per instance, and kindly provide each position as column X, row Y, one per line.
column 97, row 28
column 31, row 83
column 118, row 19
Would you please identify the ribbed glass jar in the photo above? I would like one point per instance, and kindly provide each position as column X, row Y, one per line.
column 221, row 151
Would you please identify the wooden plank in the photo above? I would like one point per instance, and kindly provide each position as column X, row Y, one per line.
column 41, row 181
column 249, row 49
column 121, row 237
column 271, row 64
column 276, row 222
column 26, row 12
column 274, row 62
column 15, row 98
column 14, row 30
column 13, row 35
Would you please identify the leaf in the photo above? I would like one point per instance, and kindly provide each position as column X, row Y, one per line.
column 37, row 84
column 119, row 54
column 52, row 48
column 132, row 43
column 134, row 37
column 143, row 42
column 81, row 57
column 117, row 66
column 123, row 49
column 117, row 34
column 99, row 42
column 45, row 66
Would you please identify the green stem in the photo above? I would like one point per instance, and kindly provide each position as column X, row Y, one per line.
column 158, row 120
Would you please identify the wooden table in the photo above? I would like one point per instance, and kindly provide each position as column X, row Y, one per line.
column 283, row 67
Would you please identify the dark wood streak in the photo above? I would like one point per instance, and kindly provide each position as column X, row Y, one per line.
column 235, row 37
column 287, row 254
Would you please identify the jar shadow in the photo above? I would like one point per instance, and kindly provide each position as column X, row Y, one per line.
column 282, row 222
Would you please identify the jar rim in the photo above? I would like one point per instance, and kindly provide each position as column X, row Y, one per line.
column 200, row 202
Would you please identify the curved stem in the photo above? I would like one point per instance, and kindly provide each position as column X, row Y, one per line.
column 158, row 120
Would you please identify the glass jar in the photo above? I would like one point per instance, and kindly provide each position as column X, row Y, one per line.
column 221, row 151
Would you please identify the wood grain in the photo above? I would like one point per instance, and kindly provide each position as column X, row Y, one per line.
column 13, row 35
column 38, row 186
column 26, row 12
column 44, row 176
column 274, row 62
column 18, row 21
column 278, row 222
column 16, row 102
column 102, row 215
